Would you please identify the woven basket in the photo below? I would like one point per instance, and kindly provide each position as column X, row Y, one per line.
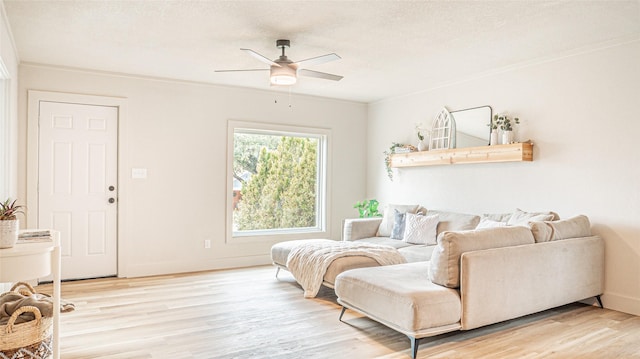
column 29, row 340
column 27, row 290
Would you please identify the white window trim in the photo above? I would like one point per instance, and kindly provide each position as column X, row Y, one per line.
column 322, row 229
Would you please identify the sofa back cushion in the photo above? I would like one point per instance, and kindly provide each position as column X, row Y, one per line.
column 522, row 218
column 575, row 227
column 444, row 268
column 452, row 221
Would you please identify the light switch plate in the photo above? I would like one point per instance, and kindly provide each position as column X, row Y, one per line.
column 139, row 173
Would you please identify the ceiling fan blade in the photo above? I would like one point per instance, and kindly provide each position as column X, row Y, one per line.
column 260, row 57
column 241, row 70
column 318, row 60
column 320, row 75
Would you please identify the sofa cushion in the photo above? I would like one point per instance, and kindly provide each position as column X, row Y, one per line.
column 343, row 264
column 384, row 230
column 399, row 296
column 444, row 267
column 522, row 218
column 498, row 217
column 420, row 229
column 399, row 224
column 280, row 251
column 489, row 223
column 452, row 221
column 578, row 226
column 417, row 252
column 386, row 241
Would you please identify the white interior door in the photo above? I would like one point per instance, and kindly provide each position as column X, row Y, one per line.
column 77, row 185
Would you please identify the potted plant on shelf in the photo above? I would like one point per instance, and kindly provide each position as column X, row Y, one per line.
column 368, row 208
column 422, row 145
column 9, row 223
column 506, row 125
column 395, row 148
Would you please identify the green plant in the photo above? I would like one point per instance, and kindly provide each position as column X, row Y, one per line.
column 419, row 133
column 387, row 158
column 503, row 122
column 9, row 210
column 368, row 208
column 282, row 193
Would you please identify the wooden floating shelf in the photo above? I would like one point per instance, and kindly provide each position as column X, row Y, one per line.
column 515, row 152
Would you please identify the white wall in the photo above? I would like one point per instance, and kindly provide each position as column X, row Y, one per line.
column 582, row 113
column 178, row 131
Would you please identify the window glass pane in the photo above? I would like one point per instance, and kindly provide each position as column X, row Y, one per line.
column 275, row 181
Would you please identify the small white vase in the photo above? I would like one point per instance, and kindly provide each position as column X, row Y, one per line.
column 507, row 137
column 493, row 140
column 9, row 233
column 422, row 146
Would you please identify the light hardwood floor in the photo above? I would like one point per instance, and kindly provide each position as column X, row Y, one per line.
column 247, row 313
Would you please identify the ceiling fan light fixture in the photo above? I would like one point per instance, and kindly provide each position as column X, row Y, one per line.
column 284, row 76
column 284, row 72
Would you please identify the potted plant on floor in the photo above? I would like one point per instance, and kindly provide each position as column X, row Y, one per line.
column 9, row 223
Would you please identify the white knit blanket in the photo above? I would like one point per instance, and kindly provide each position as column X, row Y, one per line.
column 308, row 262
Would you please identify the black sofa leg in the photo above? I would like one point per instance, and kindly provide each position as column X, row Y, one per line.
column 342, row 313
column 414, row 347
column 599, row 301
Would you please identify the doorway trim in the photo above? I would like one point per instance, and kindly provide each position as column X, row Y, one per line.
column 33, row 108
column 6, row 143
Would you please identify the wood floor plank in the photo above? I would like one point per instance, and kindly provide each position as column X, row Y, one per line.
column 248, row 313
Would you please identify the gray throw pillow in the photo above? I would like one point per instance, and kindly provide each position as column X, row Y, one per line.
column 397, row 232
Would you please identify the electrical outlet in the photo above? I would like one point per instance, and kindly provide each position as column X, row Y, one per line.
column 207, row 243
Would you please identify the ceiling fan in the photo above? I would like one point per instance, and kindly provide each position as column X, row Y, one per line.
column 285, row 72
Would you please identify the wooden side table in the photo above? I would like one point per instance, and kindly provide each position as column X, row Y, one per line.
column 26, row 261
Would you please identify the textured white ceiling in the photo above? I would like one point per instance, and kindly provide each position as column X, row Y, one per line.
column 388, row 48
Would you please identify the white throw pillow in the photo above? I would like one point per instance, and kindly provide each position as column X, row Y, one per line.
column 386, row 226
column 488, row 223
column 420, row 229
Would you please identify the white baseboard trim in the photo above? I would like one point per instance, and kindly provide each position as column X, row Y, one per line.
column 173, row 267
column 621, row 303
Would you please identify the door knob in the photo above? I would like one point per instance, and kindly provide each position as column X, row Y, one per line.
column 111, row 200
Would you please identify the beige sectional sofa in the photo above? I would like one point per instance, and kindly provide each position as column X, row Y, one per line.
column 473, row 278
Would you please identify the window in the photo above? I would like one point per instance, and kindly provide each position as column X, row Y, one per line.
column 278, row 179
